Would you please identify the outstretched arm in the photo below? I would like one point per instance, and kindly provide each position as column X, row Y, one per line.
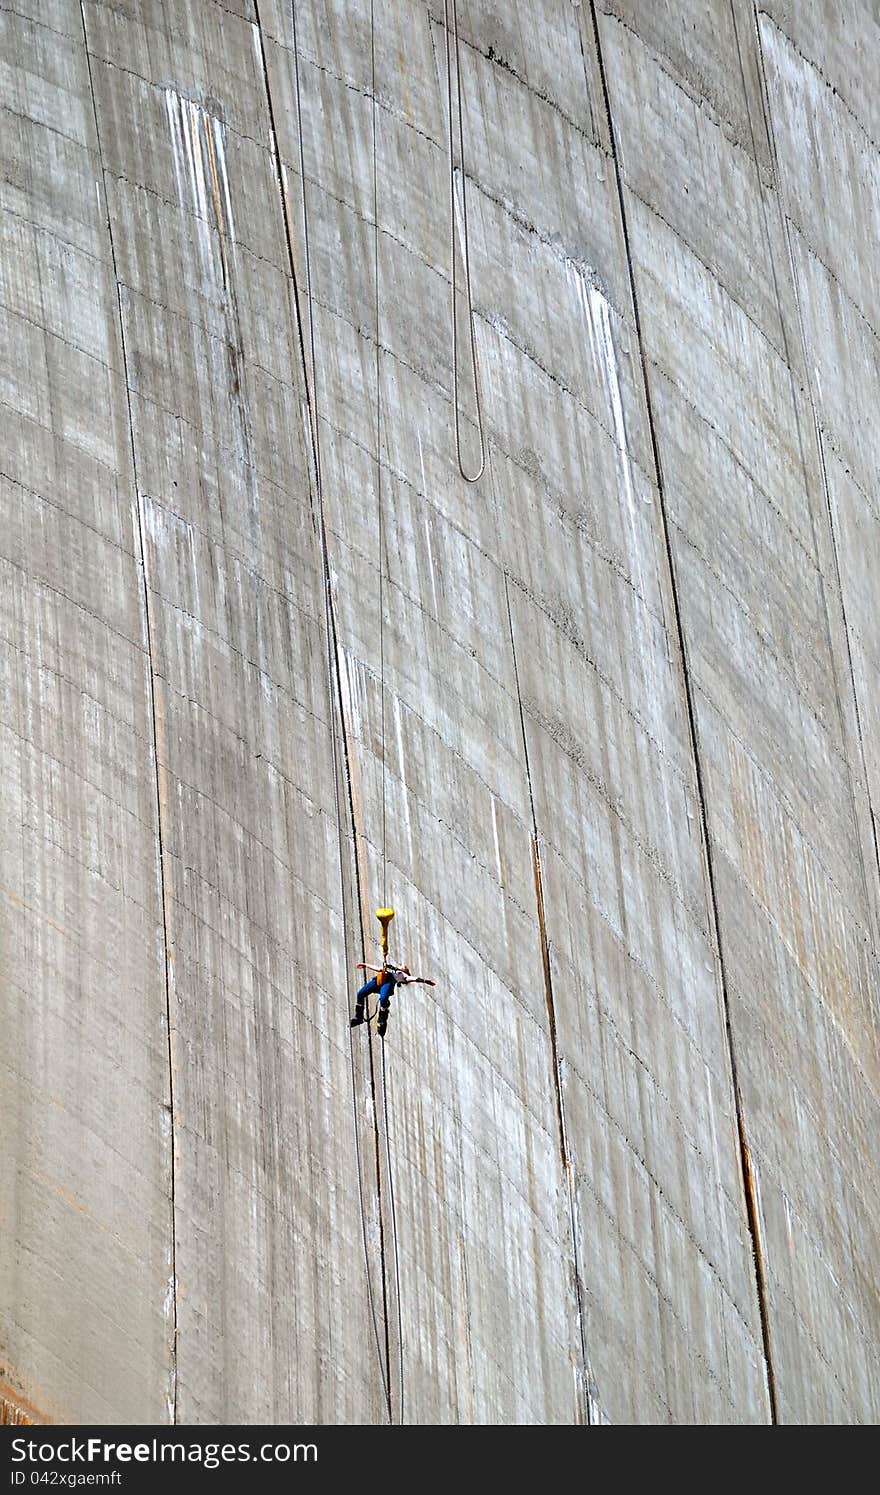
column 420, row 981
column 361, row 967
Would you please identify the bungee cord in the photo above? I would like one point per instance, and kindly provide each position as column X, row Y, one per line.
column 381, row 593
column 469, row 477
column 333, row 686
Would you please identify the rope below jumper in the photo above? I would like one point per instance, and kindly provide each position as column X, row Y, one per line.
column 385, row 1088
column 332, row 674
column 469, row 477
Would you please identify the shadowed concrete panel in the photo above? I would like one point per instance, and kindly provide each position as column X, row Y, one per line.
column 87, row 1285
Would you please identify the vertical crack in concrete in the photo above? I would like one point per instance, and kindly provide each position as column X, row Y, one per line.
column 828, row 508
column 752, row 1205
column 336, row 706
column 584, row 1387
column 745, row 1167
column 155, row 715
column 548, row 977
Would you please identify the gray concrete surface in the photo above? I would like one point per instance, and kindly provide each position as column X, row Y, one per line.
column 630, row 766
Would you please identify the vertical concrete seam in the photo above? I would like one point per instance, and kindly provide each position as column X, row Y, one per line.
column 828, row 508
column 744, row 1157
column 335, row 690
column 152, row 673
column 584, row 1385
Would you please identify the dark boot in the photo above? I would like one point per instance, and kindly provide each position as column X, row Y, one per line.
column 382, row 1024
column 358, row 1015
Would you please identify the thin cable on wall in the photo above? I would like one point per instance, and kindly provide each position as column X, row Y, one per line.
column 311, row 392
column 332, row 673
column 469, row 477
column 379, row 504
column 381, row 591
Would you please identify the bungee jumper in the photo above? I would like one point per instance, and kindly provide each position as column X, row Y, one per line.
column 384, row 980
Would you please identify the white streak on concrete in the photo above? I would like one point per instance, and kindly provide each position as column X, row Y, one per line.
column 599, row 316
column 309, row 440
column 498, row 867
column 788, row 1230
column 194, row 563
column 169, row 1297
column 597, row 312
column 459, row 218
column 187, row 145
column 172, row 111
column 349, row 687
column 196, row 117
column 220, row 157
column 188, row 123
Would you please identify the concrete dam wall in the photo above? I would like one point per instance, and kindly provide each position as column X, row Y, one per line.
column 619, row 719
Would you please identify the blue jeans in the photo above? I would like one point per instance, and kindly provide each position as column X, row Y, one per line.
column 372, row 985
